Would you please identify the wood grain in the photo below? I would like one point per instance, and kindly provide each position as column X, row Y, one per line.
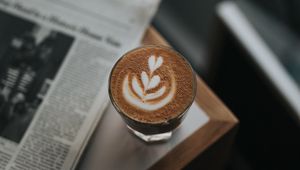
column 221, row 120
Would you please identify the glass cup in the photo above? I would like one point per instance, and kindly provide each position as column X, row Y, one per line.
column 153, row 132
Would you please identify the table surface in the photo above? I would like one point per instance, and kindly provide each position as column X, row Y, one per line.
column 113, row 147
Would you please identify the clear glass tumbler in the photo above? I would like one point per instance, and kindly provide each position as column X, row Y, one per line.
column 152, row 131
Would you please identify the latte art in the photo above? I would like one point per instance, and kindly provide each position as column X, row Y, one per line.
column 140, row 96
column 152, row 85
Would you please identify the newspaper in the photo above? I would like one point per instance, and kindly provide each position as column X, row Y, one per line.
column 55, row 57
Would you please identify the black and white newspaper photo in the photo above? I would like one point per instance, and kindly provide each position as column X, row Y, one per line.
column 30, row 56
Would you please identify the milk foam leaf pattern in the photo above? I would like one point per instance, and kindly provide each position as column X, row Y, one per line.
column 158, row 63
column 149, row 82
column 151, row 63
column 137, row 88
column 145, row 79
column 140, row 97
column 156, row 94
column 155, row 80
column 154, row 64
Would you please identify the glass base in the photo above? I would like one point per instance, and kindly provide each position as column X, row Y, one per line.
column 151, row 138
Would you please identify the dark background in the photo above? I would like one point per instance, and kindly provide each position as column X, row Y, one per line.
column 268, row 137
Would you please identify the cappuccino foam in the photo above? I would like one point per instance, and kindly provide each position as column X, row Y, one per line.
column 152, row 84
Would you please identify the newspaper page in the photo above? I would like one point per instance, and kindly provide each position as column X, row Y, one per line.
column 55, row 57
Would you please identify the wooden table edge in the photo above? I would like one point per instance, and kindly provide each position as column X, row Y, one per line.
column 221, row 120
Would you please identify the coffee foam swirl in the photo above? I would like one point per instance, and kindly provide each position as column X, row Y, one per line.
column 137, row 92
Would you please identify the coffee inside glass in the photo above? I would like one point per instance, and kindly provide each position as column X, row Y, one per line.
column 152, row 87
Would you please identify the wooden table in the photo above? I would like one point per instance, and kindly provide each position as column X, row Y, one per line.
column 113, row 147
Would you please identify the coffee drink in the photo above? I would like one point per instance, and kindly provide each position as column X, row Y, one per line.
column 152, row 87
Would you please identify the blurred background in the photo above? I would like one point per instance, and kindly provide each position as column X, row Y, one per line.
column 248, row 51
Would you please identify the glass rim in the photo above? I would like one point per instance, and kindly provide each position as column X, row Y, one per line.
column 153, row 46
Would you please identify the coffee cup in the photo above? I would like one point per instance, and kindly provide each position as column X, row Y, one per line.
column 152, row 87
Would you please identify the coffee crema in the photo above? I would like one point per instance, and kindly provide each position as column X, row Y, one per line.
column 152, row 84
